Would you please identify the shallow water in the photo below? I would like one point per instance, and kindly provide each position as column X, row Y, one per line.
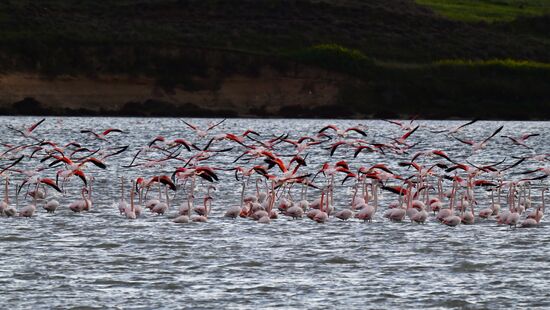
column 101, row 260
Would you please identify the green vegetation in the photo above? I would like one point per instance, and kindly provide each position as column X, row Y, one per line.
column 488, row 10
column 403, row 57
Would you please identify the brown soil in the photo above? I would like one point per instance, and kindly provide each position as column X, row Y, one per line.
column 269, row 92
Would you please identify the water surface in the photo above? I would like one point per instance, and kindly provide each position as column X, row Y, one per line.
column 101, row 260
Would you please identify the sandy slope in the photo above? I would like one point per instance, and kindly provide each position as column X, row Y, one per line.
column 268, row 91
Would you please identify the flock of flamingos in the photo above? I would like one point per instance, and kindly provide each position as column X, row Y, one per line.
column 434, row 187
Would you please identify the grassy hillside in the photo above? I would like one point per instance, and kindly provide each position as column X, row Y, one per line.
column 435, row 57
column 488, row 10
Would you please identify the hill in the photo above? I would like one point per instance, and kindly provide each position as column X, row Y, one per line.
column 315, row 58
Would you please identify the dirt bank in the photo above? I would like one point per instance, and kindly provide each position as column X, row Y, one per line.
column 270, row 92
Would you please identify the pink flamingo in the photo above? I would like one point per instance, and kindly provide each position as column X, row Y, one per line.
column 366, row 213
column 203, row 210
column 162, row 207
column 322, row 215
column 29, row 210
column 479, row 145
column 5, row 204
column 266, row 219
column 207, row 202
column 521, row 140
column 421, row 216
column 122, row 204
column 80, row 205
column 468, row 217
column 131, row 212
column 103, row 135
column 10, row 211
column 234, row 211
column 539, row 213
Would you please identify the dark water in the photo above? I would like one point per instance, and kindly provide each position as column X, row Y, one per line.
column 102, row 260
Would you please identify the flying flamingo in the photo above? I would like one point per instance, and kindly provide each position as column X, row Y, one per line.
column 521, row 139
column 479, row 145
column 401, row 140
column 457, row 128
column 341, row 132
column 27, row 132
column 103, row 135
column 402, row 125
column 202, row 133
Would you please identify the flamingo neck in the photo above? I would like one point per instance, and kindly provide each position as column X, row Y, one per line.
column 85, row 200
column 6, row 193
column 132, row 199
column 242, row 193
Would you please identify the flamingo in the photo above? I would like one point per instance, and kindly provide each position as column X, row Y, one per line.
column 28, row 211
column 421, row 216
column 487, row 212
column 5, row 204
column 521, row 139
column 314, row 211
column 152, row 203
column 366, row 212
column 479, row 145
column 342, row 133
column 539, row 213
column 444, row 213
column 234, row 211
column 138, row 208
column 397, row 214
column 468, row 217
column 10, row 211
column 131, row 212
column 266, row 219
column 202, row 133
column 162, row 207
column 88, row 205
column 322, row 215
column 51, row 206
column 27, row 132
column 457, row 128
column 103, row 135
column 207, row 203
column 401, row 140
column 532, row 221
column 122, row 204
column 452, row 220
column 82, row 204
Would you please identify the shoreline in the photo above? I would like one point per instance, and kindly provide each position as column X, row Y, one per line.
column 312, row 93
